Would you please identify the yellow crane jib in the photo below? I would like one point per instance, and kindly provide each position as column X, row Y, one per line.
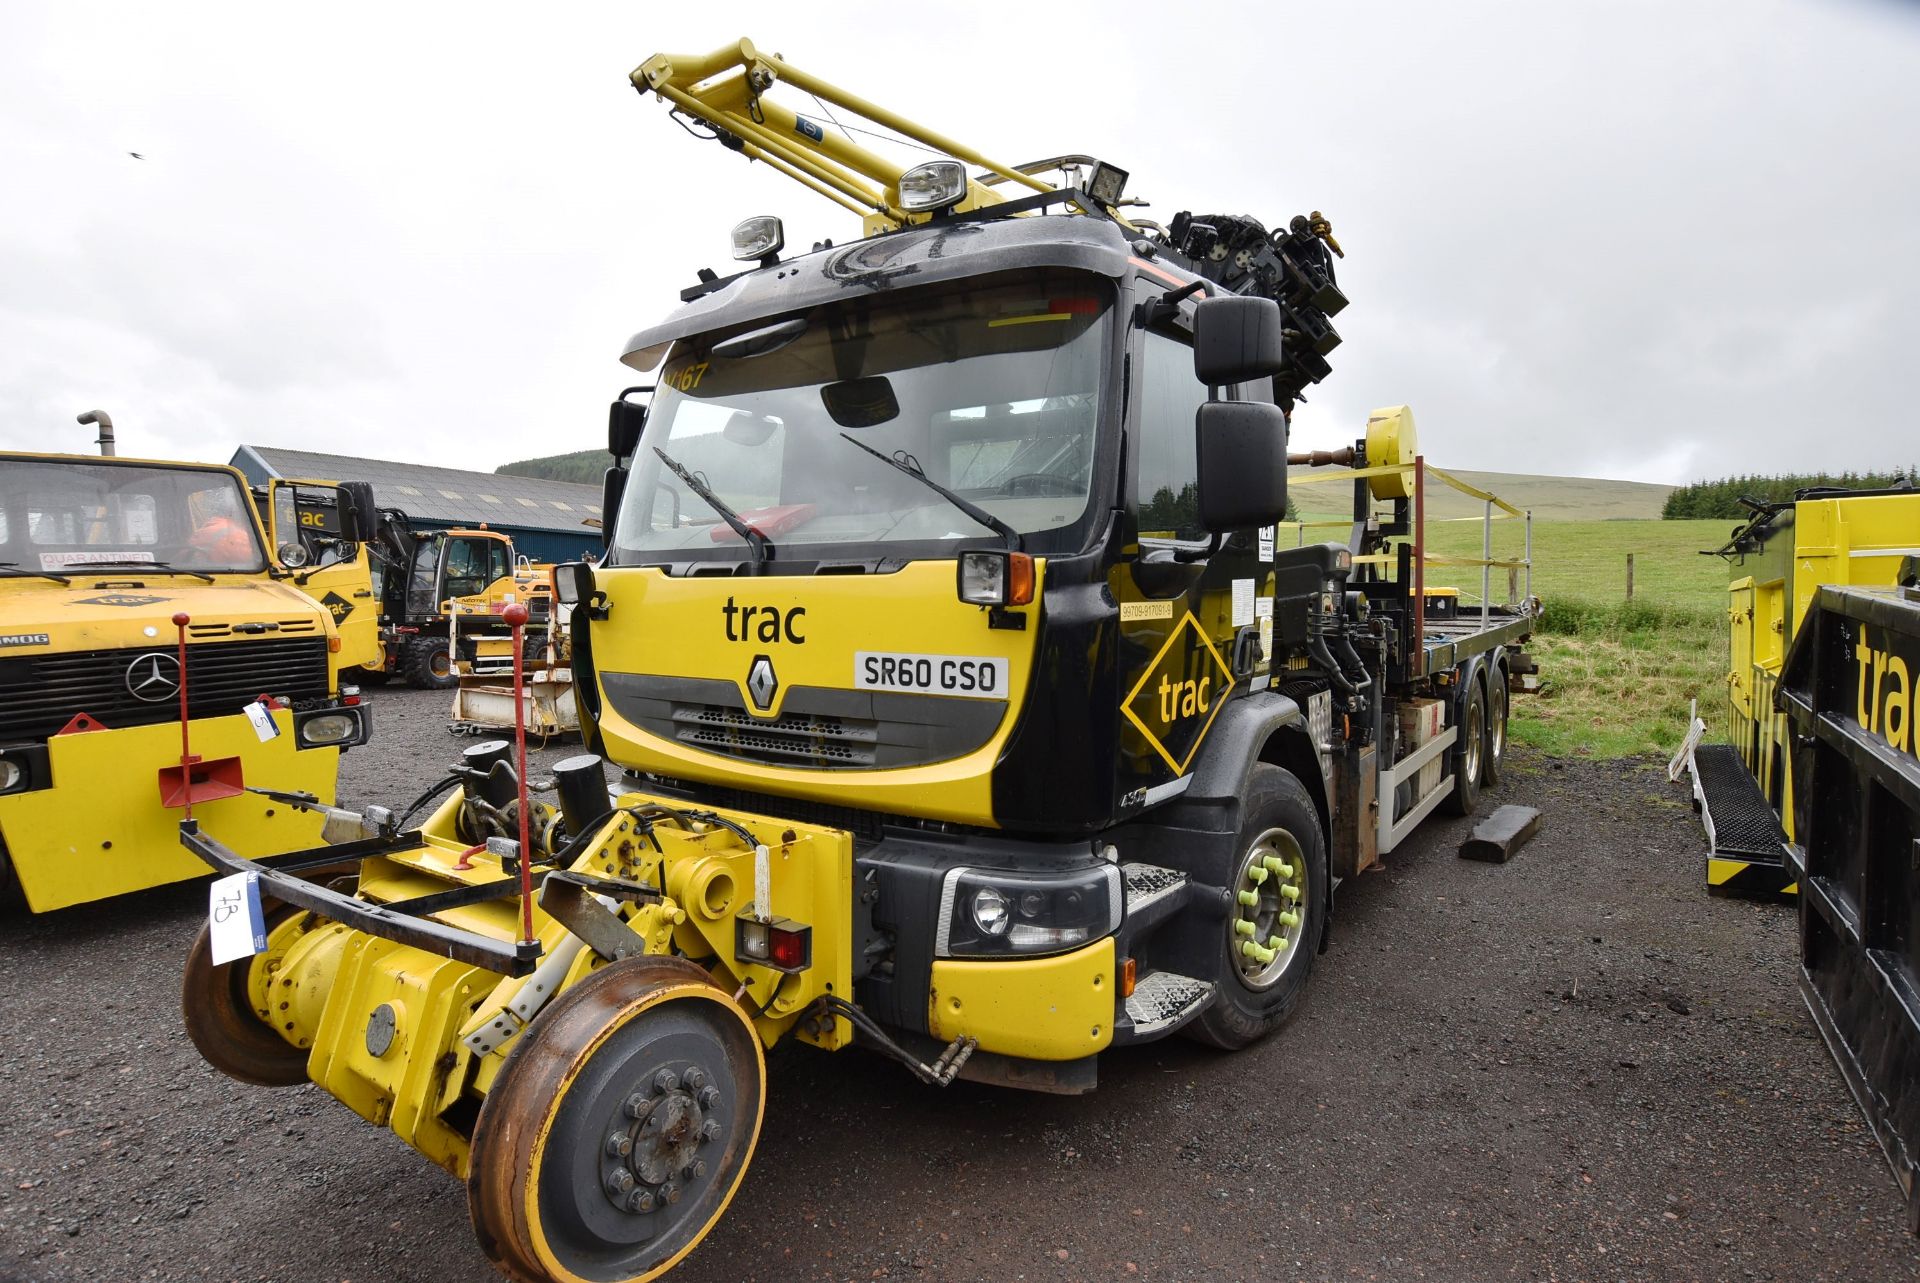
column 729, row 90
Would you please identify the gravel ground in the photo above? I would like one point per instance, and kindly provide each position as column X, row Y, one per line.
column 1575, row 1066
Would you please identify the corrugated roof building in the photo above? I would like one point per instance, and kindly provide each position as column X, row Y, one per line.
column 545, row 518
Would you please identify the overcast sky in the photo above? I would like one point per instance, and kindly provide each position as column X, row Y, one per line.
column 1642, row 240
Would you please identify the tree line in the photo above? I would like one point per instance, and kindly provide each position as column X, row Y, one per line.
column 1720, row 500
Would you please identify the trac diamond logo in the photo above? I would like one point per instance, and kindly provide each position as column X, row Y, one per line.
column 337, row 606
column 1176, row 699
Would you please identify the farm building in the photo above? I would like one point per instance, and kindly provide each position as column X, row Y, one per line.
column 547, row 519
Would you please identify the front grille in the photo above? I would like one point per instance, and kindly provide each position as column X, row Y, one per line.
column 792, row 739
column 39, row 694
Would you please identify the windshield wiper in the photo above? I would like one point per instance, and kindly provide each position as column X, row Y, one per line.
column 972, row 509
column 761, row 545
column 13, row 568
column 166, row 566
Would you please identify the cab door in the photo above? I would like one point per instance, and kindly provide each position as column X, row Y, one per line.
column 303, row 527
column 1189, row 610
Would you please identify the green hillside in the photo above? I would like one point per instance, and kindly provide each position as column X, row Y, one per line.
column 1549, row 498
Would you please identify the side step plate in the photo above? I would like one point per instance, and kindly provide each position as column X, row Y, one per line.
column 1149, row 886
column 1162, row 1001
column 1746, row 844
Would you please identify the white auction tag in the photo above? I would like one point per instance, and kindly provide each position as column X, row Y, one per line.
column 262, row 718
column 235, row 925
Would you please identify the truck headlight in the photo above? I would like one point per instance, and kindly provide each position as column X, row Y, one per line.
column 12, row 775
column 328, row 727
column 990, row 913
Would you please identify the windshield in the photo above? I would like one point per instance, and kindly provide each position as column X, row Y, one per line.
column 59, row 517
column 990, row 389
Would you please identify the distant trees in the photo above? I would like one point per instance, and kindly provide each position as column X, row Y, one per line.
column 582, row 465
column 1720, row 500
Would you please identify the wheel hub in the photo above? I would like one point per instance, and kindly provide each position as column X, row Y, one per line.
column 1270, row 908
column 653, row 1151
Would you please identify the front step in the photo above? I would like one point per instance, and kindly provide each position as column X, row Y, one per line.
column 1151, row 891
column 1162, row 1001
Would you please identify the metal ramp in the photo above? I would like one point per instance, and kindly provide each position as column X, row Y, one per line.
column 1746, row 845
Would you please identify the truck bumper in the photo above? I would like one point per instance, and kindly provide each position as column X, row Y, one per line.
column 1057, row 1008
column 100, row 828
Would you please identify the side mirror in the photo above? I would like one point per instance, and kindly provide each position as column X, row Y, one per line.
column 359, row 512
column 1242, row 447
column 573, row 582
column 625, row 422
column 1236, row 339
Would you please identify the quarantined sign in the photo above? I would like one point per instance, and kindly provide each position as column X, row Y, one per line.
column 1182, row 690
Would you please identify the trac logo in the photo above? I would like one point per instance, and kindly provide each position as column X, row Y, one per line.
column 765, row 624
column 1884, row 703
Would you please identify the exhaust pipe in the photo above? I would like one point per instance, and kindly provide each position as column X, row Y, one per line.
column 105, row 421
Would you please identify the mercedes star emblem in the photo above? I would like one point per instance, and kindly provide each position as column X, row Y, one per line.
column 154, row 677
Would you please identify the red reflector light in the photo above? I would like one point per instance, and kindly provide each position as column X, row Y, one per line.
column 1075, row 306
column 780, row 945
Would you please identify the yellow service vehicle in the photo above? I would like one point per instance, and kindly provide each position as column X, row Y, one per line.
column 969, row 709
column 1780, row 559
column 97, row 557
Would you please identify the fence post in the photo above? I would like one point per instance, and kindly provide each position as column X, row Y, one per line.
column 1629, row 576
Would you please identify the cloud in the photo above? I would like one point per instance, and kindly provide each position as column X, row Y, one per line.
column 1605, row 239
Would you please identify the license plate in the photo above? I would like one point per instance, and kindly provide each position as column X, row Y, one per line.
column 965, row 676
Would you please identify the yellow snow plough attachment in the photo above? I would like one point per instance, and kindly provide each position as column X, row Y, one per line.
column 648, row 951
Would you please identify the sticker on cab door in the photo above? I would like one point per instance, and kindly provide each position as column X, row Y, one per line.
column 964, row 676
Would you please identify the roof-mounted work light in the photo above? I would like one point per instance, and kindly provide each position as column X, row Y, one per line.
column 761, row 238
column 936, row 185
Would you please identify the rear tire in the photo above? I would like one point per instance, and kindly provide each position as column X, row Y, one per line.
column 429, row 664
column 1470, row 756
column 1253, row 995
column 1495, row 757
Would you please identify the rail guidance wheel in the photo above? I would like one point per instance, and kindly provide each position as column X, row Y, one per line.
column 1272, row 932
column 225, row 1008
column 619, row 1129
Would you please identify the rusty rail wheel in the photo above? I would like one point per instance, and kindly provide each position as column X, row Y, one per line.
column 619, row 1129
column 226, row 1008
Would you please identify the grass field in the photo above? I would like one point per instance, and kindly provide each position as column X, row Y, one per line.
column 1548, row 498
column 1615, row 675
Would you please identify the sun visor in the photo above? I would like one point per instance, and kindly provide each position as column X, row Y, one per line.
column 923, row 255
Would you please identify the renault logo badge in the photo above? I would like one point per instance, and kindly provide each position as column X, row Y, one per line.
column 154, row 677
column 761, row 683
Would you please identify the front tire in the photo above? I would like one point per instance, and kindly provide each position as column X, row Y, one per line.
column 1274, row 927
column 429, row 664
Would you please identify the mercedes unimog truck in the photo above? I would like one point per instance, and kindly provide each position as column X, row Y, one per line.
column 97, row 557
column 964, row 703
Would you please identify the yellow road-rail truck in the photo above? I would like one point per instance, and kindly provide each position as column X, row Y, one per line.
column 967, row 709
column 97, row 555
column 1779, row 560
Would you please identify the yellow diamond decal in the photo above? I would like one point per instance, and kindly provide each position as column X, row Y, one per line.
column 1180, row 693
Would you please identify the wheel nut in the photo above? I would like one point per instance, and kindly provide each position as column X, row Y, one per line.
column 641, row 1200
column 696, row 1078
column 619, row 1183
column 709, row 1096
column 619, row 1145
column 665, row 1081
column 638, row 1105
column 670, row 1192
column 695, row 1170
column 709, row 1131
